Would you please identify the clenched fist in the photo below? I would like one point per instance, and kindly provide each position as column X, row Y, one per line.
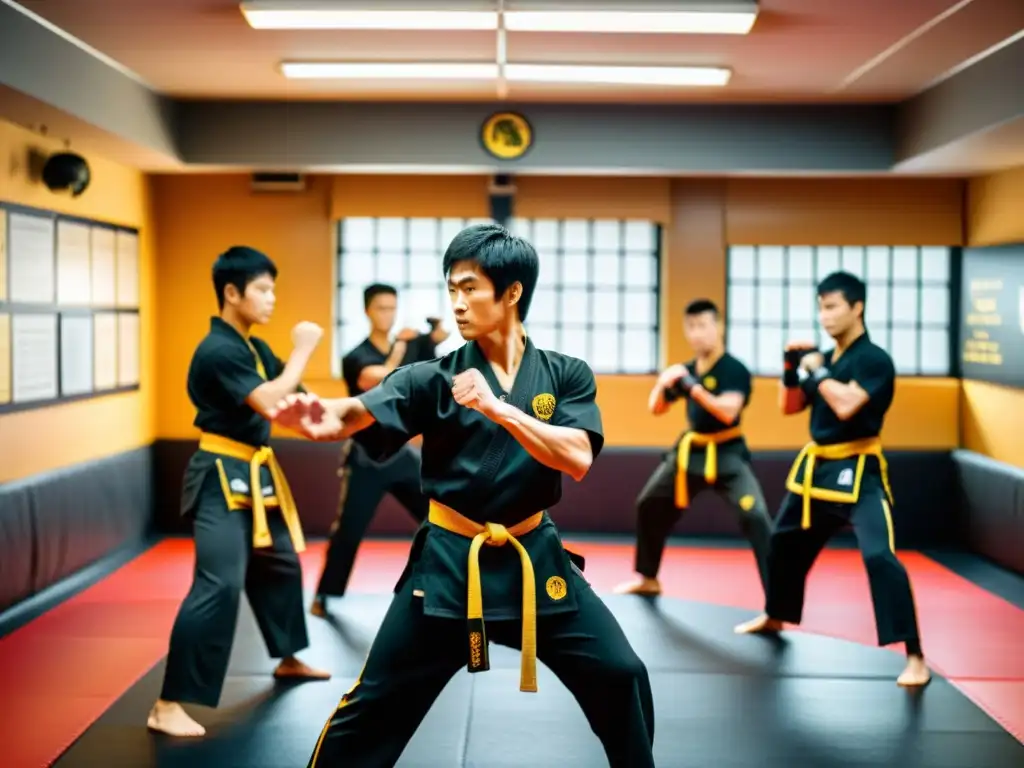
column 470, row 389
column 306, row 336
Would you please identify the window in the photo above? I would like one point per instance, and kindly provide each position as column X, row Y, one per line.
column 772, row 299
column 596, row 297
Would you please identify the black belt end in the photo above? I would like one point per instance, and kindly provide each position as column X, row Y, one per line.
column 479, row 661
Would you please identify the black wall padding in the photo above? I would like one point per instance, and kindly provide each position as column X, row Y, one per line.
column 992, row 508
column 55, row 523
column 923, row 484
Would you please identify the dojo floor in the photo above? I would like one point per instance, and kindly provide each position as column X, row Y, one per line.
column 76, row 683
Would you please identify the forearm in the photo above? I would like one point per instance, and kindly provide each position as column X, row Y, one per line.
column 844, row 399
column 563, row 448
column 791, row 400
column 353, row 414
column 725, row 412
column 372, row 375
column 269, row 393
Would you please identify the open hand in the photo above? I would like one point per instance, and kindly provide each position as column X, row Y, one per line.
column 292, row 409
column 407, row 334
column 470, row 389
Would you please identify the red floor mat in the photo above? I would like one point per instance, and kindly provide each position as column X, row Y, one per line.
column 80, row 657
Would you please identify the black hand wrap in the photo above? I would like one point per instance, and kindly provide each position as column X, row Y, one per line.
column 681, row 389
column 790, row 366
column 813, row 381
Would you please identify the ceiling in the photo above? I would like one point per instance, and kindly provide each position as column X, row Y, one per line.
column 798, row 51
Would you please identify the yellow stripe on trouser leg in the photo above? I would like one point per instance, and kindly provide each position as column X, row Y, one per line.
column 257, row 458
column 495, row 535
column 708, row 440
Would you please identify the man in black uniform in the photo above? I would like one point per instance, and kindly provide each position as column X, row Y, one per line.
column 841, row 476
column 501, row 421
column 710, row 455
column 246, row 527
column 364, row 480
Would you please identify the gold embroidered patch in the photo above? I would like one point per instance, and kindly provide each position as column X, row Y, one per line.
column 544, row 406
column 709, row 383
column 556, row 588
column 747, row 503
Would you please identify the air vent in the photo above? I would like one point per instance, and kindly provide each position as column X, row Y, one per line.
column 278, row 182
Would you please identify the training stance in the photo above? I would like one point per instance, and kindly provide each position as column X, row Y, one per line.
column 246, row 527
column 364, row 480
column 710, row 455
column 501, row 421
column 841, row 476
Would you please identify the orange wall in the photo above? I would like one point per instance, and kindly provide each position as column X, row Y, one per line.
column 992, row 413
column 199, row 216
column 38, row 440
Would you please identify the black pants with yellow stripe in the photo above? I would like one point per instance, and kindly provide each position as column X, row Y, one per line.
column 363, row 485
column 657, row 513
column 226, row 564
column 794, row 550
column 414, row 656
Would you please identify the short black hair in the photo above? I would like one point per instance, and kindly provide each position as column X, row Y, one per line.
column 239, row 265
column 505, row 258
column 850, row 286
column 700, row 306
column 377, row 289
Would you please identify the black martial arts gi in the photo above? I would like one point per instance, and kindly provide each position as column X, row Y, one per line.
column 364, row 479
column 246, row 527
column 842, row 478
column 712, row 456
column 456, row 596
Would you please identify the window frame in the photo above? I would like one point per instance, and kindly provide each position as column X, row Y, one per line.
column 559, row 324
column 918, row 283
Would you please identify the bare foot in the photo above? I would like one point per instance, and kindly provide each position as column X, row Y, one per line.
column 293, row 669
column 169, row 717
column 319, row 607
column 762, row 624
column 643, row 586
column 916, row 673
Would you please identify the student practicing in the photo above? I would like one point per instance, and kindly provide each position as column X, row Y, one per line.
column 710, row 455
column 364, row 479
column 841, row 476
column 246, row 527
column 501, row 422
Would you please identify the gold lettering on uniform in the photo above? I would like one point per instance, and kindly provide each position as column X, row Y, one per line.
column 475, row 649
column 556, row 588
column 747, row 503
column 544, row 406
column 709, row 383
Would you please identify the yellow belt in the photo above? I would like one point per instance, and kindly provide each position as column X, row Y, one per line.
column 496, row 536
column 869, row 446
column 710, row 440
column 258, row 457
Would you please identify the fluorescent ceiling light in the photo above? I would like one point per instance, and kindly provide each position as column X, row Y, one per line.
column 524, row 73
column 653, row 76
column 272, row 16
column 330, row 70
column 668, row 22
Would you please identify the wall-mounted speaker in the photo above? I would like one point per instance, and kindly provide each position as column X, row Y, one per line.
column 66, row 171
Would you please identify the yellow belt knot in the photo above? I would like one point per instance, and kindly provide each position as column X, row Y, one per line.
column 808, row 459
column 708, row 440
column 495, row 535
column 258, row 457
